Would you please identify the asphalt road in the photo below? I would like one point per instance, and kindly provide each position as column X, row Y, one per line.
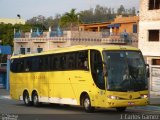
column 16, row 110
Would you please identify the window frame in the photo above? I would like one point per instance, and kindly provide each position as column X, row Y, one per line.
column 153, row 5
column 150, row 35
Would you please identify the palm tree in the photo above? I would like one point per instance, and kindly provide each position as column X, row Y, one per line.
column 70, row 19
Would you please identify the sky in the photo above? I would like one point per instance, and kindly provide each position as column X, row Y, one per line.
column 30, row 8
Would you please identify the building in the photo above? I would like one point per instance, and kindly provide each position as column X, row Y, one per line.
column 149, row 39
column 12, row 21
column 95, row 27
column 127, row 24
column 120, row 30
column 115, row 27
column 36, row 41
column 149, row 30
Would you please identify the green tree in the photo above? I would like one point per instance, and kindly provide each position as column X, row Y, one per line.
column 44, row 23
column 87, row 16
column 121, row 10
column 53, row 22
column 70, row 20
column 38, row 21
column 6, row 34
column 133, row 11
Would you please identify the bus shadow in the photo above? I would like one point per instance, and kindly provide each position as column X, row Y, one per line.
column 79, row 109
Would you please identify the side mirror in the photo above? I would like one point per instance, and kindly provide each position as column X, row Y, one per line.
column 147, row 70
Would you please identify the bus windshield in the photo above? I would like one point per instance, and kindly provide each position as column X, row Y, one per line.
column 126, row 71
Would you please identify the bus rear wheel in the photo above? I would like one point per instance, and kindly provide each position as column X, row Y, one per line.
column 86, row 102
column 26, row 99
column 35, row 99
column 121, row 109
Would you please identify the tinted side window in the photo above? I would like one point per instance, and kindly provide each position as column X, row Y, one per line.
column 55, row 62
column 82, row 60
column 20, row 65
column 14, row 64
column 40, row 62
column 43, row 63
column 63, row 62
column 35, row 64
column 46, row 65
column 71, row 61
column 17, row 65
column 28, row 64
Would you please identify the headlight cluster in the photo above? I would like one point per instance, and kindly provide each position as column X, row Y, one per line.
column 113, row 97
column 144, row 96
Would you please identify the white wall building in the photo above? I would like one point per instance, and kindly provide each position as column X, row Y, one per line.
column 33, row 42
column 12, row 21
column 149, row 39
column 149, row 28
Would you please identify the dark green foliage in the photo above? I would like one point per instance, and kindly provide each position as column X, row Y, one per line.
column 44, row 23
column 97, row 15
column 7, row 32
column 70, row 20
column 103, row 14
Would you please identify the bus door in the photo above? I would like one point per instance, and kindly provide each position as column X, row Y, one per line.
column 97, row 75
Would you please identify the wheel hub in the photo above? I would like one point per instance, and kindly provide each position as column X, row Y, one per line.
column 86, row 103
column 35, row 99
column 26, row 100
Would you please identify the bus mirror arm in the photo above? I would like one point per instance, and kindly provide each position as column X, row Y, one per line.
column 147, row 70
column 105, row 72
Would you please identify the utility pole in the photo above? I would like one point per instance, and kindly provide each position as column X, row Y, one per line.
column 78, row 28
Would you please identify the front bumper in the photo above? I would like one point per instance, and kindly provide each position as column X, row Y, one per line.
column 127, row 103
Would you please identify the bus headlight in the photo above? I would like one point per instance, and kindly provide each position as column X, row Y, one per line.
column 144, row 96
column 113, row 97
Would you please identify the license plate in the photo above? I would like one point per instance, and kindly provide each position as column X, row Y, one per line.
column 130, row 103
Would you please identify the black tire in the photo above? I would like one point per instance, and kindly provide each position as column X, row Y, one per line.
column 35, row 99
column 86, row 102
column 121, row 109
column 26, row 99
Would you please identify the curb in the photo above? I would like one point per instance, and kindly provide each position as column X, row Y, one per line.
column 5, row 97
column 148, row 108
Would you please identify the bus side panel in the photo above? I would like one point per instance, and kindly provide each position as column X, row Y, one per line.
column 12, row 86
column 13, row 92
column 29, row 84
column 81, row 81
column 60, row 90
column 17, row 85
column 43, row 86
column 36, row 82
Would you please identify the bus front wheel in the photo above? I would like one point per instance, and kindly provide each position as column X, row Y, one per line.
column 121, row 109
column 87, row 104
column 35, row 99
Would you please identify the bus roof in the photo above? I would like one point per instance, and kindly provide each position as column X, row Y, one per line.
column 80, row 47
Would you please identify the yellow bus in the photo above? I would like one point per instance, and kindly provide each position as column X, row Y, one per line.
column 107, row 76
